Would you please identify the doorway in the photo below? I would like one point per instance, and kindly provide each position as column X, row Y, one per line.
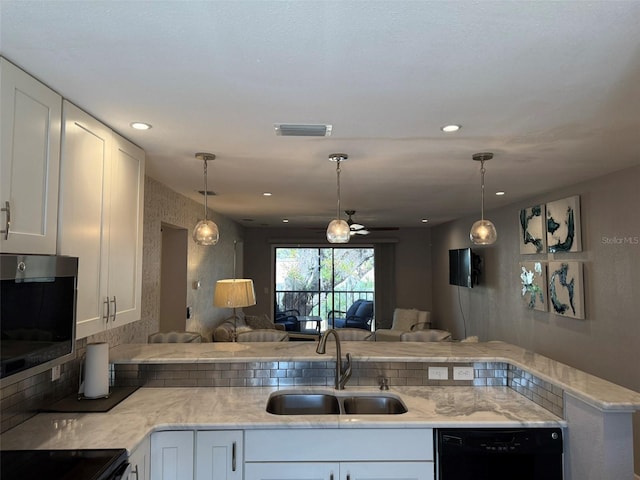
column 173, row 279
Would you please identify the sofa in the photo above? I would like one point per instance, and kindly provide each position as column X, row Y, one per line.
column 244, row 323
column 404, row 320
column 175, row 337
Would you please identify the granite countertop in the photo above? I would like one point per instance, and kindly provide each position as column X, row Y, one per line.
column 149, row 409
column 594, row 391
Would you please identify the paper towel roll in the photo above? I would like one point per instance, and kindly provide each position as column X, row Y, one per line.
column 96, row 370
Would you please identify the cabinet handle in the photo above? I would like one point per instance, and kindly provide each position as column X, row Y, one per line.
column 233, row 457
column 7, row 221
column 115, row 308
column 106, row 302
column 348, row 476
column 134, row 471
column 331, row 476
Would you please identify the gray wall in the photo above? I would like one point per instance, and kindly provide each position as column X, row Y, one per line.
column 412, row 282
column 206, row 264
column 606, row 343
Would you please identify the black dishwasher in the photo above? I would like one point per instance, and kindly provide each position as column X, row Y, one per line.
column 499, row 454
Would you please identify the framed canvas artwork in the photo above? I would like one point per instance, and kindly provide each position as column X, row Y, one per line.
column 533, row 280
column 532, row 230
column 563, row 225
column 566, row 291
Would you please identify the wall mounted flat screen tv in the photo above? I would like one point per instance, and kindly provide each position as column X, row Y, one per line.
column 464, row 267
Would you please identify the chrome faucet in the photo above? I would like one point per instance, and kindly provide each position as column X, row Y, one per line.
column 342, row 375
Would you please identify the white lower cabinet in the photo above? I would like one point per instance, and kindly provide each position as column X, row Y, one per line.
column 172, row 455
column 140, row 460
column 219, row 455
column 201, row 455
column 339, row 471
column 339, row 454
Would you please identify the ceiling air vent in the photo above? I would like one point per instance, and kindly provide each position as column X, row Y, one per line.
column 302, row 130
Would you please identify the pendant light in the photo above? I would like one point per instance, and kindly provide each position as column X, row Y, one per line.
column 338, row 230
column 483, row 232
column 205, row 232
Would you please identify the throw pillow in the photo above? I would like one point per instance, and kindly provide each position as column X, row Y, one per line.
column 404, row 318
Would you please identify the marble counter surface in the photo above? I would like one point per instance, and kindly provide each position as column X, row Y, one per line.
column 149, row 409
column 594, row 391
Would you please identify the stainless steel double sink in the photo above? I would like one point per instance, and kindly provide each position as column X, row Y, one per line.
column 324, row 403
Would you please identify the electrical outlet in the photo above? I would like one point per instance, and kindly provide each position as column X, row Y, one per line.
column 55, row 373
column 463, row 373
column 438, row 373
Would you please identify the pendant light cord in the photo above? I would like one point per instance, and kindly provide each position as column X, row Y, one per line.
column 482, row 170
column 338, row 182
column 205, row 189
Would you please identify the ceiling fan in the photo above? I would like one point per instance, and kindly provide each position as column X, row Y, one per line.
column 354, row 227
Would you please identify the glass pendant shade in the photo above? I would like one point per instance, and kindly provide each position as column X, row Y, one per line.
column 206, row 233
column 483, row 232
column 338, row 231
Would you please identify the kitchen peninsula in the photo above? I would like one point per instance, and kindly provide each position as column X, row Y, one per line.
column 512, row 387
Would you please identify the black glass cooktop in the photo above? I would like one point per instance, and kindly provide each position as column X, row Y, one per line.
column 62, row 464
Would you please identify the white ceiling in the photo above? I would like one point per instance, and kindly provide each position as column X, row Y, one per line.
column 551, row 88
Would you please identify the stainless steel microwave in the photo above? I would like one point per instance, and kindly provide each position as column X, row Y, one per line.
column 37, row 313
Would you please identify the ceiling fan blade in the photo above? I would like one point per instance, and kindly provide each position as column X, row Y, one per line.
column 361, row 232
column 356, row 226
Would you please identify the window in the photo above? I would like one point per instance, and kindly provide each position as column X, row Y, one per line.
column 315, row 281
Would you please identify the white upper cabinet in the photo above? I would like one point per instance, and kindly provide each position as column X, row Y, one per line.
column 30, row 160
column 125, row 230
column 100, row 220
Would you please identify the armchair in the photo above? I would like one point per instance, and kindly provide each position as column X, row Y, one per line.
column 404, row 320
column 359, row 315
column 287, row 318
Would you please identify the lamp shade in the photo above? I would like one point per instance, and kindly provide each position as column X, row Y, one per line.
column 234, row 293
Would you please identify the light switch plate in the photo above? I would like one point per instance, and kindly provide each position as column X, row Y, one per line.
column 463, row 373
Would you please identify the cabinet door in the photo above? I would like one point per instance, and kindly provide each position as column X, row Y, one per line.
column 140, row 460
column 219, row 455
column 387, row 471
column 125, row 231
column 84, row 201
column 172, row 455
column 30, row 162
column 292, row 470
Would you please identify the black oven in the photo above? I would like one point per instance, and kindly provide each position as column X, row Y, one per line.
column 98, row 464
column 37, row 313
column 499, row 454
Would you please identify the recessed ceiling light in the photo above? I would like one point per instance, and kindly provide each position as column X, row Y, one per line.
column 285, row 220
column 267, row 194
column 140, row 125
column 500, row 193
column 450, row 128
column 424, row 220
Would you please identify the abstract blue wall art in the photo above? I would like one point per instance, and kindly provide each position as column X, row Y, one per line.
column 532, row 230
column 533, row 280
column 566, row 291
column 563, row 225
